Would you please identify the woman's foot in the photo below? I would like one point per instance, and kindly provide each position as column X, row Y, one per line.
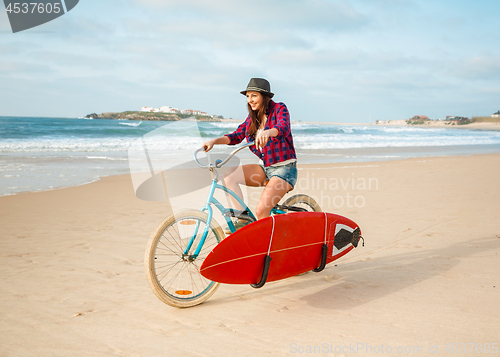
column 240, row 223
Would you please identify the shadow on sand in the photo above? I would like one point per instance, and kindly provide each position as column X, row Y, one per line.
column 355, row 283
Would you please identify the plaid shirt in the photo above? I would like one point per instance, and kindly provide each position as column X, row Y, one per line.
column 277, row 149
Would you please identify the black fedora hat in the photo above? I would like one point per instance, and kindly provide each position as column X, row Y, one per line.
column 258, row 85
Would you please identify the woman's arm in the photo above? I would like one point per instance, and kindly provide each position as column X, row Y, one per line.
column 218, row 141
column 229, row 139
column 282, row 121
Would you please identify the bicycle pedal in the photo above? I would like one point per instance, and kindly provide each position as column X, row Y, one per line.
column 235, row 213
column 246, row 217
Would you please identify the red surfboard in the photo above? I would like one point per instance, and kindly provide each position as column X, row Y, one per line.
column 294, row 242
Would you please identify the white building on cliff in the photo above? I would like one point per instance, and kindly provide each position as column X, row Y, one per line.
column 167, row 109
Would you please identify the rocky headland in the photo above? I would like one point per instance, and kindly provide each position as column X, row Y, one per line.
column 155, row 116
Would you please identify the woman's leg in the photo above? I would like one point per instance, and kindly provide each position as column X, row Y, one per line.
column 273, row 193
column 250, row 175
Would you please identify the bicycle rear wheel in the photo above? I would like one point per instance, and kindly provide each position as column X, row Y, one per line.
column 174, row 276
column 303, row 201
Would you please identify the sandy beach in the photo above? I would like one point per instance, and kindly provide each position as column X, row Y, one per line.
column 441, row 124
column 426, row 282
column 432, row 124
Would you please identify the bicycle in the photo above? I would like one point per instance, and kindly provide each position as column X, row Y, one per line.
column 177, row 248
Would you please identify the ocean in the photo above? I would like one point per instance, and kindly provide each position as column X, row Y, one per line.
column 45, row 153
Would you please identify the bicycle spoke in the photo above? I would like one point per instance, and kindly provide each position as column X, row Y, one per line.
column 172, row 241
column 165, row 273
column 203, row 281
column 176, row 239
column 168, row 248
column 172, row 265
column 174, row 277
column 193, row 285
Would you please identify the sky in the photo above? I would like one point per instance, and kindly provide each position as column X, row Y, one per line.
column 329, row 61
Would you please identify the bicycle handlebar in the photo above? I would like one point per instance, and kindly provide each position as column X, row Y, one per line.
column 222, row 163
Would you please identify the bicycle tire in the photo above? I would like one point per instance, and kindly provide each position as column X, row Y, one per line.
column 300, row 199
column 174, row 279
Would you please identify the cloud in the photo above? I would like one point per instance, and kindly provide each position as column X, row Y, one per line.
column 191, row 43
column 316, row 53
column 4, row 21
column 262, row 14
column 486, row 67
column 15, row 48
column 23, row 69
column 200, row 43
column 73, row 60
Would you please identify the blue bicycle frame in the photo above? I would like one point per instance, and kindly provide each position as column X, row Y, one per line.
column 211, row 200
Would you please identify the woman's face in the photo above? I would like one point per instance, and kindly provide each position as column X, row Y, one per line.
column 255, row 99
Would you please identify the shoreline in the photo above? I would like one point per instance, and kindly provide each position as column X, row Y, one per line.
column 301, row 166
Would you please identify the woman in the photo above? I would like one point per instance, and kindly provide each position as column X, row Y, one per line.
column 268, row 125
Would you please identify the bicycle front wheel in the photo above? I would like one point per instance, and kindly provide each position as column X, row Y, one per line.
column 173, row 275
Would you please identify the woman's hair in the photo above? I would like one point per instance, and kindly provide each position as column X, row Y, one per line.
column 257, row 116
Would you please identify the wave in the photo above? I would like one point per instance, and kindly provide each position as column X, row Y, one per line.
column 99, row 145
column 131, row 124
column 51, row 135
column 106, row 158
column 223, row 125
column 40, row 153
column 192, row 141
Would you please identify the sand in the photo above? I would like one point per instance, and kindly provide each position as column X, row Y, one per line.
column 73, row 280
column 442, row 124
column 432, row 124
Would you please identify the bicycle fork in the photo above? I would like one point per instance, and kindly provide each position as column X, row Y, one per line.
column 191, row 257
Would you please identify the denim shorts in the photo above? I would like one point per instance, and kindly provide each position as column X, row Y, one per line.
column 286, row 172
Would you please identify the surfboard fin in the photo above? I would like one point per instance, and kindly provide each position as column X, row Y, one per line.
column 355, row 238
column 324, row 251
column 344, row 237
column 265, row 271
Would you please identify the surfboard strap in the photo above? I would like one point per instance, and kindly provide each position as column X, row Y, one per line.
column 324, row 250
column 267, row 263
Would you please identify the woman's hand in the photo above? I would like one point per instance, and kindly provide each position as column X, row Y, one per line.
column 209, row 145
column 262, row 139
